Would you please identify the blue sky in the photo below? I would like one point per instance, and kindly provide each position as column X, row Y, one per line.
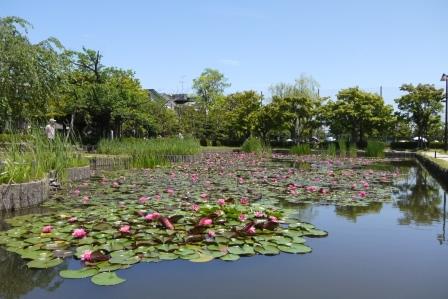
column 255, row 43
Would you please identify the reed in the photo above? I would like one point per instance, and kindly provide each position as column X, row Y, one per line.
column 255, row 145
column 375, row 149
column 300, row 149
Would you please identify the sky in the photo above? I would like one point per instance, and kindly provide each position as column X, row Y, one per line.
column 255, row 43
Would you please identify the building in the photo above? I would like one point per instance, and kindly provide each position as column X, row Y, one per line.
column 171, row 100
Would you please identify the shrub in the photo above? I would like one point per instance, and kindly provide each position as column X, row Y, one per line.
column 254, row 145
column 300, row 149
column 375, row 149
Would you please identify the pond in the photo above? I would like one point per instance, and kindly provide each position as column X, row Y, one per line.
column 393, row 249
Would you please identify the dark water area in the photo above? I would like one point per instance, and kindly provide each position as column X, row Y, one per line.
column 389, row 250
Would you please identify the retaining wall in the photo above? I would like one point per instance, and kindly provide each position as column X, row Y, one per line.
column 18, row 196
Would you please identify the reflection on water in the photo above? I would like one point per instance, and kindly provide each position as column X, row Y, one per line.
column 419, row 198
column 353, row 212
column 17, row 279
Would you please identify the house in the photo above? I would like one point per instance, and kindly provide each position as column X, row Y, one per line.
column 171, row 100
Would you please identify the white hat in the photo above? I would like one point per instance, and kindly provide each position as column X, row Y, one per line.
column 52, row 120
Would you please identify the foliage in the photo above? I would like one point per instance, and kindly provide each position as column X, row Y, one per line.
column 375, row 149
column 352, row 150
column 34, row 159
column 331, row 149
column 149, row 153
column 358, row 113
column 300, row 149
column 29, row 74
column 342, row 144
column 421, row 106
column 254, row 145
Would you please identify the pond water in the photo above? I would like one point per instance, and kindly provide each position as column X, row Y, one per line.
column 385, row 250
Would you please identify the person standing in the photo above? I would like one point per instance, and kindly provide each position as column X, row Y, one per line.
column 50, row 129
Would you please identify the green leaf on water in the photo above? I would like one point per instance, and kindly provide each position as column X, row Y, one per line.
column 107, row 279
column 80, row 273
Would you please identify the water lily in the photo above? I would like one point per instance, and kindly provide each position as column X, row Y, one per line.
column 221, row 201
column 353, row 186
column 79, row 233
column 259, row 214
column 211, row 234
column 86, row 256
column 125, row 229
column 241, row 180
column 170, row 191
column 244, row 201
column 47, row 229
column 195, row 207
column 311, row 188
column 251, row 230
column 76, row 192
column 152, row 216
column 143, row 199
column 203, row 196
column 85, row 199
column 242, row 217
column 273, row 219
column 205, row 222
column 115, row 185
column 72, row 219
column 362, row 194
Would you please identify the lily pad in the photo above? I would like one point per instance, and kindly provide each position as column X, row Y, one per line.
column 80, row 273
column 107, row 279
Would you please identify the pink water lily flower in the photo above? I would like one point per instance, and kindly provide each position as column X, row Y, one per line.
column 273, row 219
column 311, row 188
column 211, row 234
column 241, row 180
column 125, row 229
column 79, row 233
column 144, row 199
column 76, row 192
column 86, row 256
column 47, row 229
column 244, row 201
column 353, row 186
column 72, row 219
column 259, row 214
column 242, row 217
column 157, row 196
column 195, row 207
column 115, row 185
column 205, row 222
column 251, row 230
column 203, row 195
column 152, row 216
column 221, row 201
column 85, row 199
column 362, row 194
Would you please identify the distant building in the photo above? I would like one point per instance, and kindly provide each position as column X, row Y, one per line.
column 171, row 100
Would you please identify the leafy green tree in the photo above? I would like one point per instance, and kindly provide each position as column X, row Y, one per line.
column 422, row 106
column 359, row 113
column 29, row 73
column 298, row 105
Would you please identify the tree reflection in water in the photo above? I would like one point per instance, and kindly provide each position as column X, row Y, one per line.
column 419, row 198
column 17, row 279
column 353, row 212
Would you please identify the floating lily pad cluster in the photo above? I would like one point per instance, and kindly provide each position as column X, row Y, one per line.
column 223, row 207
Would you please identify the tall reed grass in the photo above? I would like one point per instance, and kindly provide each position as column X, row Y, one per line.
column 149, row 153
column 342, row 144
column 331, row 149
column 300, row 149
column 35, row 158
column 352, row 150
column 375, row 149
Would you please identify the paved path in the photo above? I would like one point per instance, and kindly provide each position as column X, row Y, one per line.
column 440, row 156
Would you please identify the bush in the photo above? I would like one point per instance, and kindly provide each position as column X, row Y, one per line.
column 254, row 145
column 408, row 145
column 300, row 149
column 375, row 149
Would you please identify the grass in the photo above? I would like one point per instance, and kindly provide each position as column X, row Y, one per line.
column 300, row 149
column 149, row 153
column 35, row 158
column 375, row 149
column 331, row 150
column 342, row 144
column 255, row 145
column 352, row 150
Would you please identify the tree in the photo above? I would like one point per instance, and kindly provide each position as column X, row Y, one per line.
column 358, row 113
column 298, row 105
column 422, row 106
column 29, row 73
column 233, row 116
